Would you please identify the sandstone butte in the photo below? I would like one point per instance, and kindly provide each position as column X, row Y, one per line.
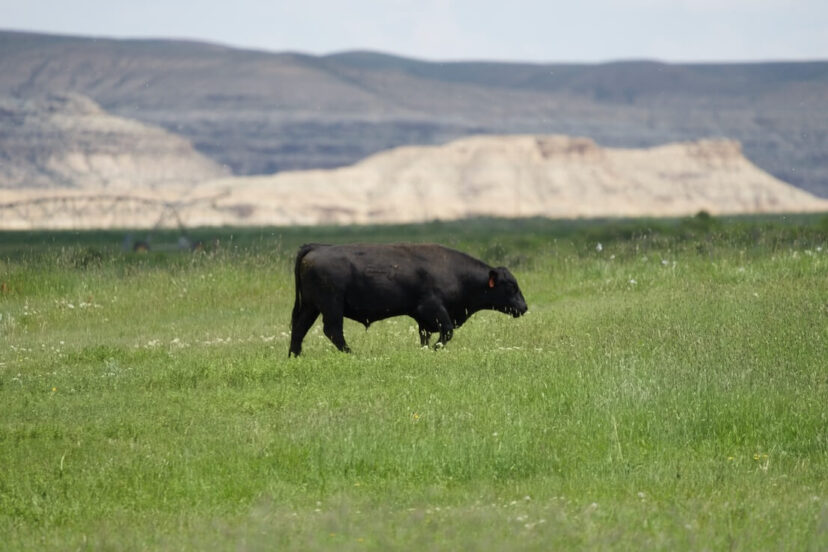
column 503, row 176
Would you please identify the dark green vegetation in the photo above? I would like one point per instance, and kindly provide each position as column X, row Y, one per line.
column 667, row 390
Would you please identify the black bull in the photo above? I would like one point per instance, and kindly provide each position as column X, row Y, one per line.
column 436, row 286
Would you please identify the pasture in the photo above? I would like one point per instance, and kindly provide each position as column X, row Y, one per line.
column 667, row 390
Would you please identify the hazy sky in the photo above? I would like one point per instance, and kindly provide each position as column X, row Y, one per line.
column 518, row 30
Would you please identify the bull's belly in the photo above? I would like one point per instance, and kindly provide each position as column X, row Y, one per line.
column 370, row 303
column 368, row 316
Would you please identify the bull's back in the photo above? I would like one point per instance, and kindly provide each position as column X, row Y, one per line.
column 376, row 259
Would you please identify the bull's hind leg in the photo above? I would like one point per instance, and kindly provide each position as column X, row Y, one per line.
column 332, row 326
column 301, row 321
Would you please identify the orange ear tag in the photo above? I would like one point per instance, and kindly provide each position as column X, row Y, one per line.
column 491, row 282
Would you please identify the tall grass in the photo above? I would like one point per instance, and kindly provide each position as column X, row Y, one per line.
column 667, row 390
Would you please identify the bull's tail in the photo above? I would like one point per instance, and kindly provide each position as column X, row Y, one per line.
column 304, row 250
column 297, row 304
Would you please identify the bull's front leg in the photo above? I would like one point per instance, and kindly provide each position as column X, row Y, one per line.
column 434, row 314
column 446, row 333
column 425, row 336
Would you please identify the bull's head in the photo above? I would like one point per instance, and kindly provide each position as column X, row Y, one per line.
column 504, row 294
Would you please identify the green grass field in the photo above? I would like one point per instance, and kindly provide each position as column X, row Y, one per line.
column 669, row 391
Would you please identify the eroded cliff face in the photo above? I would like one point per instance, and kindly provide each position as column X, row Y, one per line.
column 516, row 176
column 507, row 176
column 67, row 141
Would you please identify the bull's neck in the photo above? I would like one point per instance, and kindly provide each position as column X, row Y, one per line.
column 480, row 300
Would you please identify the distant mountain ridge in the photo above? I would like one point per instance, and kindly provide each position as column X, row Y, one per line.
column 259, row 112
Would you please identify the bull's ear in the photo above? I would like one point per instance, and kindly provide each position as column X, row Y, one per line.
column 492, row 278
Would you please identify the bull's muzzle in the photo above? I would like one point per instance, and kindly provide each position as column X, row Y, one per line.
column 519, row 311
